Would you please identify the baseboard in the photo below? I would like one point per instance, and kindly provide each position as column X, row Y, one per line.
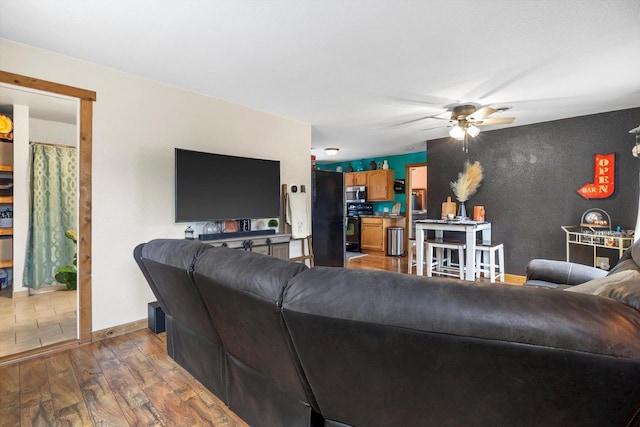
column 119, row 330
column 514, row 279
column 21, row 293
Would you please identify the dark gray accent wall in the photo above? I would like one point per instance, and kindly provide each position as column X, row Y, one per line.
column 531, row 177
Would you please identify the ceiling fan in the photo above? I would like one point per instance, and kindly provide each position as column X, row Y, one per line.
column 469, row 117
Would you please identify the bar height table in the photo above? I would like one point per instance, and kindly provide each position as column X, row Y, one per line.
column 468, row 227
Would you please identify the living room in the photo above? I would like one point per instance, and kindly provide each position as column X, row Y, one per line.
column 533, row 170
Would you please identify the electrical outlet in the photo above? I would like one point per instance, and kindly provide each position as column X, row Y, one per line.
column 602, row 262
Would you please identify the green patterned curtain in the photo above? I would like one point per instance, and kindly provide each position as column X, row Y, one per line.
column 53, row 211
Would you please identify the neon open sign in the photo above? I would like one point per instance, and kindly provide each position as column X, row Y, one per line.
column 604, row 172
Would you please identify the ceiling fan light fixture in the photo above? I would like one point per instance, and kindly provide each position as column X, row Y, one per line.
column 473, row 131
column 457, row 132
column 332, row 151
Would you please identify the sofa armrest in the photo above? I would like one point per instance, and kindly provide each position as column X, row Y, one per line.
column 561, row 272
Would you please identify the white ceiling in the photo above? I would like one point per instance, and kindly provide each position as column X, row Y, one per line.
column 356, row 69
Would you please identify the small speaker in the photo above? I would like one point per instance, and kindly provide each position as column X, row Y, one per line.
column 156, row 318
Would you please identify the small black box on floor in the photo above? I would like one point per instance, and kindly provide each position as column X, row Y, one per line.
column 156, row 318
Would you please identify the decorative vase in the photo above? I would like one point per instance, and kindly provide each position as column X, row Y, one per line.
column 349, row 168
column 372, row 165
column 385, row 165
column 462, row 211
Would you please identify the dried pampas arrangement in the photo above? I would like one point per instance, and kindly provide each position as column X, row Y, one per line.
column 468, row 181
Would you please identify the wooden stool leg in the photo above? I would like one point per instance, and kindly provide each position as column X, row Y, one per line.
column 461, row 262
column 501, row 261
column 429, row 261
column 492, row 265
column 410, row 262
column 439, row 258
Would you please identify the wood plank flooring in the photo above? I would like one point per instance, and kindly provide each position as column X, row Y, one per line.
column 36, row 321
column 400, row 265
column 122, row 381
column 128, row 380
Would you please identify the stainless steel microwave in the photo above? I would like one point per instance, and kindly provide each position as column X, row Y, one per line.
column 356, row 194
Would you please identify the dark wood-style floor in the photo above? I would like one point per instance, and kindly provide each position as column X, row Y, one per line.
column 127, row 380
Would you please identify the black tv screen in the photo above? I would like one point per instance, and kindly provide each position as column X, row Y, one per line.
column 219, row 187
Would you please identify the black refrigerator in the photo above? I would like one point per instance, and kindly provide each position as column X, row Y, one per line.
column 327, row 218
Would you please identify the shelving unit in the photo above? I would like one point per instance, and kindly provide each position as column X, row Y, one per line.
column 6, row 169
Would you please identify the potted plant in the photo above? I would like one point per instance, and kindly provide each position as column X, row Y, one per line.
column 273, row 223
column 68, row 274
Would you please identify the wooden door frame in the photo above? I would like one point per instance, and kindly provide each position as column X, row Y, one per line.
column 85, row 124
column 407, row 187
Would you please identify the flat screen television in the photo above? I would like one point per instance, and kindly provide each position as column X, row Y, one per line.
column 212, row 186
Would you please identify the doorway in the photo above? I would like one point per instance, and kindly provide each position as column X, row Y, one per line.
column 416, row 193
column 31, row 90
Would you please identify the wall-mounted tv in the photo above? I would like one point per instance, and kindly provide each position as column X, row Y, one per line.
column 212, row 186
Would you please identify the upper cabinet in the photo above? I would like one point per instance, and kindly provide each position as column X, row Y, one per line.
column 355, row 178
column 379, row 183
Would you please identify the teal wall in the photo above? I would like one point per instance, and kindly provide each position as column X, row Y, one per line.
column 397, row 163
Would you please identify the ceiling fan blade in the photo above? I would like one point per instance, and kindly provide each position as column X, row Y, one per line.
column 494, row 121
column 408, row 122
column 436, row 127
column 482, row 113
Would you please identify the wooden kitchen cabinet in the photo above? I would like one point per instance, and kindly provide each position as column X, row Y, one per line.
column 355, row 178
column 373, row 233
column 371, row 237
column 380, row 185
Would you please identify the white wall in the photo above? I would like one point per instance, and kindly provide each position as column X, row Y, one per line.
column 53, row 132
column 20, row 193
column 137, row 123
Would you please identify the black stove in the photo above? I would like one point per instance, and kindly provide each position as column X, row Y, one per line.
column 354, row 212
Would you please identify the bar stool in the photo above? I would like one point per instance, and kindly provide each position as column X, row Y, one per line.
column 411, row 258
column 495, row 271
column 445, row 267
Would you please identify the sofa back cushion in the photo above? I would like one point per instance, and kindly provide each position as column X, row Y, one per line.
column 243, row 293
column 168, row 263
column 382, row 348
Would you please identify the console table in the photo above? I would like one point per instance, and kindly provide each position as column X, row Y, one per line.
column 275, row 245
column 470, row 228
